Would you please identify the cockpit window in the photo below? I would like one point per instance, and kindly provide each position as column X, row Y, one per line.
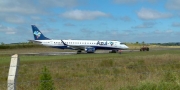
column 123, row 43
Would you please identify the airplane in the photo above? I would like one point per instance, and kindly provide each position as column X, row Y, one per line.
column 89, row 46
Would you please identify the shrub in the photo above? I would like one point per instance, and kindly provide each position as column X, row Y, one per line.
column 46, row 82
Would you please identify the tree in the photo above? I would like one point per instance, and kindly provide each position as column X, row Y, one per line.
column 2, row 43
column 46, row 82
column 137, row 42
column 143, row 43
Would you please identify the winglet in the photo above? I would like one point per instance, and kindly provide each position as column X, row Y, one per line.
column 64, row 43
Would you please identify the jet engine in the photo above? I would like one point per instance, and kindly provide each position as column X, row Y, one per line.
column 90, row 49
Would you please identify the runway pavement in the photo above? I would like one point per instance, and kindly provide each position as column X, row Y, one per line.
column 49, row 53
column 69, row 53
column 97, row 52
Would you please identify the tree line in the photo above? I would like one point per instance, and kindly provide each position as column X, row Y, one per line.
column 19, row 45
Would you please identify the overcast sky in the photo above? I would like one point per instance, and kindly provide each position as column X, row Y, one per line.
column 150, row 21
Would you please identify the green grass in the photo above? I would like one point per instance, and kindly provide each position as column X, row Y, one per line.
column 151, row 70
column 25, row 58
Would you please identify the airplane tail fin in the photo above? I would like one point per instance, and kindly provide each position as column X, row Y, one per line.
column 37, row 34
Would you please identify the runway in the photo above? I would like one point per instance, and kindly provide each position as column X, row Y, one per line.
column 97, row 52
column 69, row 53
column 49, row 53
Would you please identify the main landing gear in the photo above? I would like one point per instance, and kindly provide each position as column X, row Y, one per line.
column 113, row 51
column 79, row 51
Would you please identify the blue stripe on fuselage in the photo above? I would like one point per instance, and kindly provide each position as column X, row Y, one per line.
column 96, row 47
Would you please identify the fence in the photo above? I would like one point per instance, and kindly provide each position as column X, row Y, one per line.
column 94, row 75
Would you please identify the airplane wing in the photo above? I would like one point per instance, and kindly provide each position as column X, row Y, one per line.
column 74, row 46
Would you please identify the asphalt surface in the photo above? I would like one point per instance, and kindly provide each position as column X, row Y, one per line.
column 97, row 52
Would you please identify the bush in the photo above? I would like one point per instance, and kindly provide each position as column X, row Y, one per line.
column 46, row 82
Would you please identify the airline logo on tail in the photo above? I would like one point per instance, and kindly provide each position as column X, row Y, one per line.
column 37, row 33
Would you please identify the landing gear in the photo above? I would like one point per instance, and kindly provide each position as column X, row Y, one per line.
column 79, row 51
column 113, row 51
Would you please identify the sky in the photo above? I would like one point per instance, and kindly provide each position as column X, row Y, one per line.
column 149, row 21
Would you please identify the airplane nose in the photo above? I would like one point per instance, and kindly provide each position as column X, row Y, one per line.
column 126, row 47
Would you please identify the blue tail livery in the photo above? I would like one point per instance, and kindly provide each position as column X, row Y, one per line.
column 37, row 34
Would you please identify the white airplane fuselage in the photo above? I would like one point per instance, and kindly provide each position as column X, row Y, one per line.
column 90, row 46
column 81, row 44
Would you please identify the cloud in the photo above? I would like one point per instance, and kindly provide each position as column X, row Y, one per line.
column 69, row 24
column 15, row 34
column 125, row 19
column 133, row 36
column 152, row 1
column 113, row 35
column 19, row 6
column 149, row 14
column 36, row 18
column 169, row 31
column 7, row 30
column 83, row 15
column 59, row 3
column 156, row 36
column 173, row 4
column 176, row 24
column 133, row 1
column 19, row 11
column 163, row 32
column 32, row 7
column 145, row 25
column 125, row 1
column 86, row 31
column 15, row 19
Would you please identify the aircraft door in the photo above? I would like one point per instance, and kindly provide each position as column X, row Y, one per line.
column 114, row 44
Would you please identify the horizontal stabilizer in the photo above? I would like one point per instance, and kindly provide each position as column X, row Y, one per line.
column 33, row 41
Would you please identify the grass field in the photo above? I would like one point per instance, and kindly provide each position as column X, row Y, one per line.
column 153, row 70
